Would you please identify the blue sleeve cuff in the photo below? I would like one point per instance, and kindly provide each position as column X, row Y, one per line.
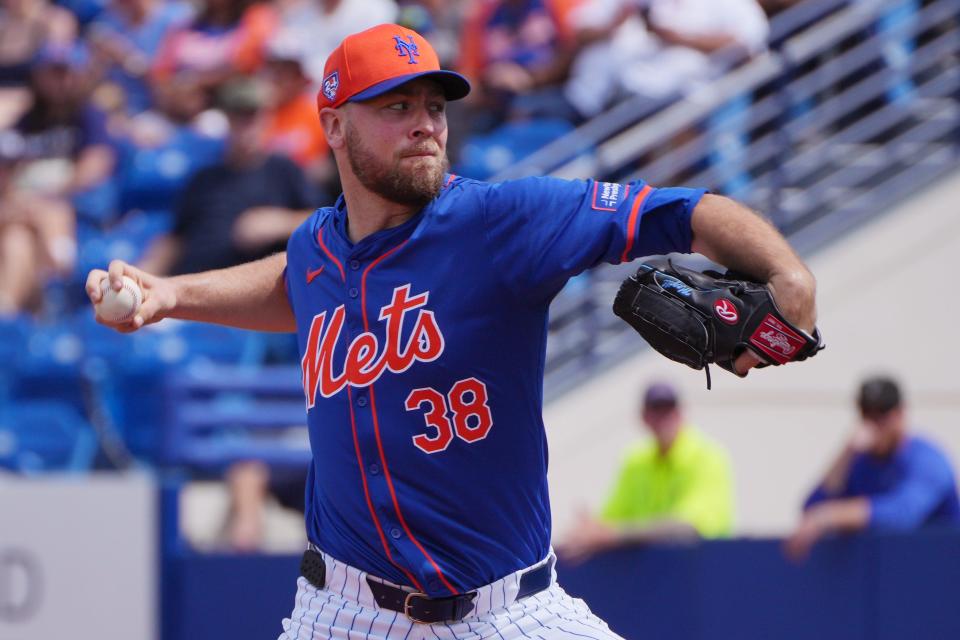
column 665, row 224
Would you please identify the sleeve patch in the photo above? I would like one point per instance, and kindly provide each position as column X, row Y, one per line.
column 607, row 196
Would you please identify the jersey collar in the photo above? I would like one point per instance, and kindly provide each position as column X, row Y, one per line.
column 376, row 243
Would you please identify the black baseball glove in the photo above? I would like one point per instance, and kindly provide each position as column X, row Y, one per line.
column 701, row 318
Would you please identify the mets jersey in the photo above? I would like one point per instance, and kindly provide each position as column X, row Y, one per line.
column 423, row 352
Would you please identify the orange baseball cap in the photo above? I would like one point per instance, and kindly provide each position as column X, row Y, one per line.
column 372, row 62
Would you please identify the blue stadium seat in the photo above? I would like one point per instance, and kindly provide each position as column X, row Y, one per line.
column 895, row 26
column 13, row 337
column 728, row 132
column 151, row 178
column 169, row 343
column 53, row 345
column 13, row 334
column 135, row 369
column 484, row 155
column 219, row 415
column 222, row 344
column 127, row 240
column 45, row 435
column 98, row 204
column 48, row 366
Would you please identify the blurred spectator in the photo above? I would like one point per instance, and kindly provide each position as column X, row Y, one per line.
column 25, row 27
column 438, row 21
column 676, row 487
column 883, row 479
column 658, row 51
column 514, row 49
column 293, row 127
column 18, row 246
column 68, row 147
column 126, row 36
column 318, row 26
column 67, row 153
column 238, row 210
column 226, row 39
column 37, row 239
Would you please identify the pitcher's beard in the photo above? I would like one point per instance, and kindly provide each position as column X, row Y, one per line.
column 413, row 185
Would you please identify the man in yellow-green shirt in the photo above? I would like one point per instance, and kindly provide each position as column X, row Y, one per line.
column 676, row 486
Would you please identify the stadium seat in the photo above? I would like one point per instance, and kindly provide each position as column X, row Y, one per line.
column 152, row 177
column 97, row 204
column 13, row 334
column 484, row 155
column 220, row 415
column 13, row 337
column 45, row 435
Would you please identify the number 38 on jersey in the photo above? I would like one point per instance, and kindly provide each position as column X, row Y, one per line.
column 466, row 403
column 461, row 412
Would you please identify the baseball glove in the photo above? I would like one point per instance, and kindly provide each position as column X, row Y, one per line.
column 701, row 318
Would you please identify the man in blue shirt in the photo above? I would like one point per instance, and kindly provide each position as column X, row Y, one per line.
column 884, row 479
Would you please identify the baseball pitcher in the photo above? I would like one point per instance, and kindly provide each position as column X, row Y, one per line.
column 420, row 303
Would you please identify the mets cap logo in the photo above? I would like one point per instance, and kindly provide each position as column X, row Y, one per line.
column 331, row 84
column 407, row 48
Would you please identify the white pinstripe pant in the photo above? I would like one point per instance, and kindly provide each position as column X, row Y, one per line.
column 346, row 610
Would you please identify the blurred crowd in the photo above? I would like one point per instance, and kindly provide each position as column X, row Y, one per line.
column 676, row 487
column 184, row 135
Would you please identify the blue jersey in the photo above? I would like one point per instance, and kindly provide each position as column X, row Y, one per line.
column 914, row 487
column 423, row 351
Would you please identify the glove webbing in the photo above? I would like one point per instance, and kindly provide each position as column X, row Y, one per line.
column 667, row 323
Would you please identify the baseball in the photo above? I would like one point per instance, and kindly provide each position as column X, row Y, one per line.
column 119, row 306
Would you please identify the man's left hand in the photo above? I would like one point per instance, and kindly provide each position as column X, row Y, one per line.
column 590, row 535
column 798, row 545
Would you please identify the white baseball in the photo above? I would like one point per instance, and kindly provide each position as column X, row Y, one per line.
column 119, row 306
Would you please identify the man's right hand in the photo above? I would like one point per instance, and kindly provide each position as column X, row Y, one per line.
column 159, row 294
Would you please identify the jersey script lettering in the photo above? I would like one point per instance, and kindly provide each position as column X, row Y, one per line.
column 365, row 361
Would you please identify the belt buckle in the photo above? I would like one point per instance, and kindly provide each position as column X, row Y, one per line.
column 407, row 606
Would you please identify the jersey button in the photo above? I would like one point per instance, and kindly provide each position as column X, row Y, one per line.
column 353, row 293
column 374, row 469
column 395, row 533
column 354, row 264
column 362, row 401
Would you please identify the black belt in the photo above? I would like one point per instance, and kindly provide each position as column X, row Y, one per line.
column 417, row 606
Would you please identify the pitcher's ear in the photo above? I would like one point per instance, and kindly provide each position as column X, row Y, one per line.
column 334, row 126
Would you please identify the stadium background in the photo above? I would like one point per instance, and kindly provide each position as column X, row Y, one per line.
column 844, row 129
